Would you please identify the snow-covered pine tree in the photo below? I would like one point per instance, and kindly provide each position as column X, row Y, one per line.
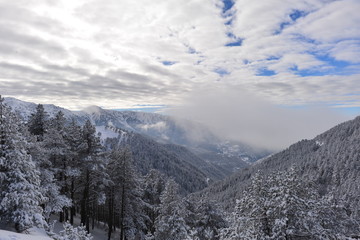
column 203, row 217
column 153, row 186
column 37, row 123
column 20, row 195
column 292, row 205
column 91, row 166
column 250, row 220
column 334, row 218
column 73, row 138
column 281, row 206
column 170, row 224
column 54, row 167
column 126, row 194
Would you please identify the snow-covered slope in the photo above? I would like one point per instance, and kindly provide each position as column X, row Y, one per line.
column 33, row 234
column 25, row 109
column 331, row 161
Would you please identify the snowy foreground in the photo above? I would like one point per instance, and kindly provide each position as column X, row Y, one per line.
column 39, row 234
column 33, row 234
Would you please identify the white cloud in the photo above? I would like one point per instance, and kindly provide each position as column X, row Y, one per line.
column 336, row 21
column 347, row 50
column 111, row 53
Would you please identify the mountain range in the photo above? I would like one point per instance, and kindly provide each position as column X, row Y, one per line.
column 184, row 150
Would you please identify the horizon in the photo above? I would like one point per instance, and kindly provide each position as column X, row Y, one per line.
column 172, row 56
column 291, row 126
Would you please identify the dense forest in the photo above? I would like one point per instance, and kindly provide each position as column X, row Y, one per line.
column 54, row 166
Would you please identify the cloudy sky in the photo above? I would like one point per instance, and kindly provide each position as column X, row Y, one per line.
column 125, row 54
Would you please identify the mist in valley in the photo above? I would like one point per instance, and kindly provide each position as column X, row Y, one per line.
column 252, row 119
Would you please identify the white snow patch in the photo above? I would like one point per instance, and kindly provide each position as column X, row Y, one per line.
column 106, row 132
column 33, row 234
column 156, row 126
column 98, row 233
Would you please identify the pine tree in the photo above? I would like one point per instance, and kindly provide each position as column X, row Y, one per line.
column 91, row 166
column 55, row 166
column 281, row 206
column 170, row 224
column 250, row 220
column 293, row 202
column 154, row 185
column 20, row 195
column 333, row 218
column 38, row 122
column 73, row 138
column 126, row 193
column 203, row 217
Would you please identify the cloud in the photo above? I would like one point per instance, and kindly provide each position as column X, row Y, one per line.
column 333, row 22
column 119, row 53
column 347, row 50
column 239, row 115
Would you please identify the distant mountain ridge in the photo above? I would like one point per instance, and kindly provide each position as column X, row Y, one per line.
column 205, row 156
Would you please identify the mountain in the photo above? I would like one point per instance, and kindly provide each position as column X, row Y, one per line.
column 331, row 160
column 164, row 129
column 194, row 136
column 184, row 150
column 189, row 171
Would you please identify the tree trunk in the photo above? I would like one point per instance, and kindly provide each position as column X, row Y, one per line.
column 84, row 211
column 111, row 214
column 72, row 209
column 122, row 213
column 65, row 192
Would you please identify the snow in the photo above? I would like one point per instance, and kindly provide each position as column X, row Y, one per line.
column 106, row 132
column 33, row 234
column 39, row 234
column 98, row 232
column 25, row 109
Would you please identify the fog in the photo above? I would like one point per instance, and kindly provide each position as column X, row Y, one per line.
column 238, row 115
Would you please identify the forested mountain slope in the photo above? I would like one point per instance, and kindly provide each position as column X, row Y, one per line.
column 331, row 160
column 225, row 156
column 189, row 171
column 103, row 173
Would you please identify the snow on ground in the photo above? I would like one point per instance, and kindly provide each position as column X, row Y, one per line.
column 106, row 132
column 98, row 232
column 33, row 234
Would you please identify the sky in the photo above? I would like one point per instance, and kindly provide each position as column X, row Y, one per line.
column 292, row 55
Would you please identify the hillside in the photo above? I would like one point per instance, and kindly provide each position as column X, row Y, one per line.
column 331, row 160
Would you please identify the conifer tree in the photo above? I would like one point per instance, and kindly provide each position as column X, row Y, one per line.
column 91, row 167
column 203, row 217
column 38, row 122
column 127, row 194
column 154, row 185
column 280, row 206
column 56, row 152
column 20, row 195
column 73, row 138
column 170, row 224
